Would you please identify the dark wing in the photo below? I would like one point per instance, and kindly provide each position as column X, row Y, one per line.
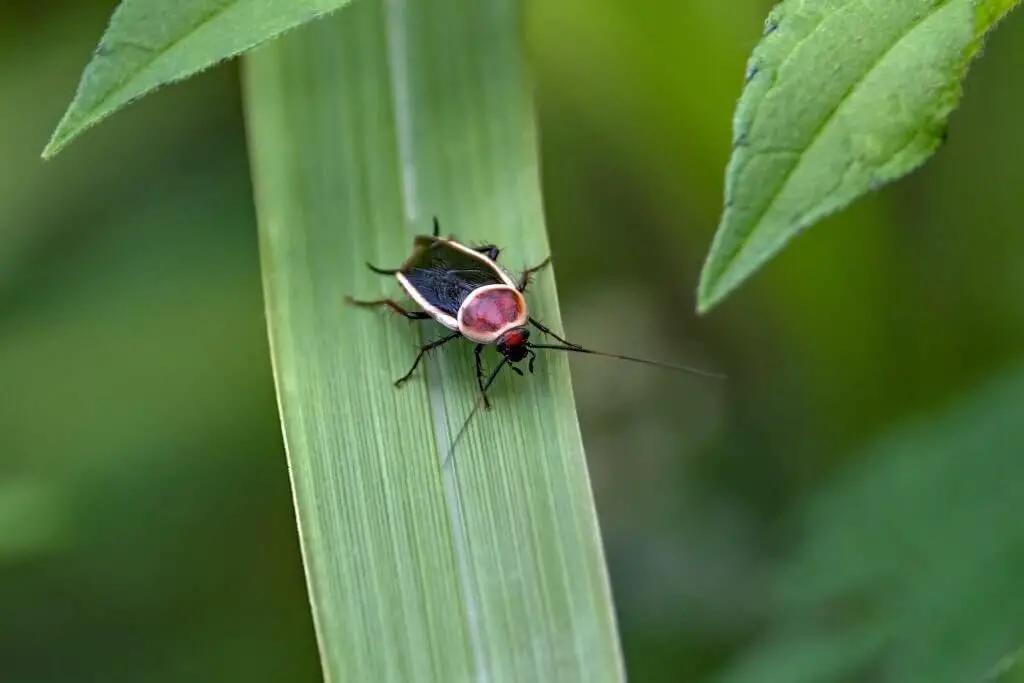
column 445, row 275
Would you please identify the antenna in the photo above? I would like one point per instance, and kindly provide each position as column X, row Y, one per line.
column 667, row 366
column 476, row 407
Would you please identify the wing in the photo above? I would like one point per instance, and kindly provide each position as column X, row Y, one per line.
column 444, row 274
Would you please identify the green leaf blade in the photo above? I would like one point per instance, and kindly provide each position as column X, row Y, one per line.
column 150, row 43
column 362, row 521
column 842, row 98
column 362, row 128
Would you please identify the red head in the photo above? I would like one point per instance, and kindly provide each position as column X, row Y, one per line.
column 513, row 344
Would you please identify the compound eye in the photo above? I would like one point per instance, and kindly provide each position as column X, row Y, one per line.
column 513, row 344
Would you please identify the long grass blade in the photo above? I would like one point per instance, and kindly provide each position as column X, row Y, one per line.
column 363, row 127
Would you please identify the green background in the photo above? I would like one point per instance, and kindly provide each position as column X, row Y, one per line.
column 145, row 518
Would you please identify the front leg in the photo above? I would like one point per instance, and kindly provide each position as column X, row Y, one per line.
column 545, row 330
column 527, row 274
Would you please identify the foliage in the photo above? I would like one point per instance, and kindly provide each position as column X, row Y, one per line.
column 947, row 329
column 841, row 97
column 909, row 554
column 490, row 566
column 151, row 43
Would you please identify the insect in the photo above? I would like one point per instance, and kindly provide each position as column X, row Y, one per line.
column 465, row 289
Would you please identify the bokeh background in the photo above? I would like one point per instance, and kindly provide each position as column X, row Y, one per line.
column 853, row 495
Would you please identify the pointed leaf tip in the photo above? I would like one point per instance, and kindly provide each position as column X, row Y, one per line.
column 150, row 43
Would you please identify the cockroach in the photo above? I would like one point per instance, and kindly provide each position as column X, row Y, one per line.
column 466, row 290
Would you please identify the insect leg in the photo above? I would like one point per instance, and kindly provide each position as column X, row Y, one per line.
column 393, row 305
column 382, row 271
column 524, row 279
column 480, row 374
column 423, row 351
column 545, row 330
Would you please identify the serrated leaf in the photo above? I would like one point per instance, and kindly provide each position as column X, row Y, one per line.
column 842, row 97
column 150, row 43
column 489, row 568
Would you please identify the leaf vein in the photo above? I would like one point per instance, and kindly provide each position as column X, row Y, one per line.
column 118, row 88
column 830, row 117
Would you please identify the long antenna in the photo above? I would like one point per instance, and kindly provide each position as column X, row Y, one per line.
column 476, row 406
column 667, row 366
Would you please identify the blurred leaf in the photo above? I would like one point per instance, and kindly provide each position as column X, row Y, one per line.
column 362, row 127
column 31, row 519
column 150, row 43
column 912, row 565
column 105, row 163
column 842, row 97
column 139, row 413
column 1008, row 669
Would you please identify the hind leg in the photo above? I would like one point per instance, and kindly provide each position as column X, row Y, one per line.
column 382, row 271
column 390, row 303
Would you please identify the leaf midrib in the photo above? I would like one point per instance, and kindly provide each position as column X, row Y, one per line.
column 398, row 72
column 821, row 128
